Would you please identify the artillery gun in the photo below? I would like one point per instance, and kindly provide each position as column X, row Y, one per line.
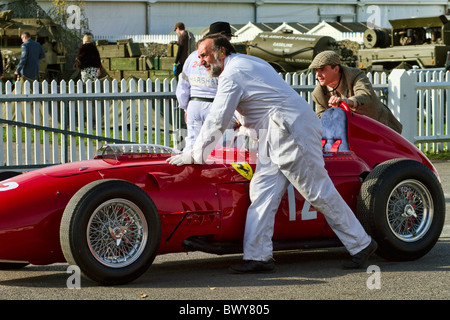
column 44, row 31
column 288, row 52
column 422, row 42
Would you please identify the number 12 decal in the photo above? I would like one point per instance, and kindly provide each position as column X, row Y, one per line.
column 306, row 214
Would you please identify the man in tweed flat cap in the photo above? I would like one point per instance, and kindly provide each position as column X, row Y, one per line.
column 340, row 83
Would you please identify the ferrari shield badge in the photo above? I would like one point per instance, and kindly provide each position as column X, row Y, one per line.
column 244, row 169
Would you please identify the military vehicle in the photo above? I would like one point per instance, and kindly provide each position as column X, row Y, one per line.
column 422, row 42
column 44, row 31
column 288, row 52
column 126, row 59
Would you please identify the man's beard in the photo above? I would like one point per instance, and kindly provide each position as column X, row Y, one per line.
column 216, row 68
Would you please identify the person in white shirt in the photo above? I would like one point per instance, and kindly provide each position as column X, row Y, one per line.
column 196, row 90
column 289, row 134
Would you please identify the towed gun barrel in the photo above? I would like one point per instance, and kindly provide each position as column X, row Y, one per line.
column 288, row 52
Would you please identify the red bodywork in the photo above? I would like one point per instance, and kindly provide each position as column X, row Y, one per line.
column 212, row 198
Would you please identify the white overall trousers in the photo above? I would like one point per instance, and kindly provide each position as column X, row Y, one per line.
column 294, row 155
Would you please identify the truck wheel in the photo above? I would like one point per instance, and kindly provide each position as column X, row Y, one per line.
column 111, row 230
column 402, row 206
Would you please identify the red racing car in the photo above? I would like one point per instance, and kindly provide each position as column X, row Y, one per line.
column 112, row 215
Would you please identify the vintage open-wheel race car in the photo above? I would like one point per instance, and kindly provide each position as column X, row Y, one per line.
column 113, row 214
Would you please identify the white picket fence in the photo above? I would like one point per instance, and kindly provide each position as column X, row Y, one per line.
column 62, row 122
column 165, row 38
column 49, row 123
column 143, row 38
column 432, row 88
column 237, row 38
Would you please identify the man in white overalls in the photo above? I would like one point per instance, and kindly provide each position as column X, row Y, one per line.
column 290, row 151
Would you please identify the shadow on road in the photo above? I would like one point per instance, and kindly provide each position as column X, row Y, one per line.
column 293, row 268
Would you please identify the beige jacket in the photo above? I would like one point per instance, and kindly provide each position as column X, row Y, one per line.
column 355, row 84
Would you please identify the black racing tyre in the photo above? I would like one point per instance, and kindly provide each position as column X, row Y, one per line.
column 111, row 230
column 402, row 206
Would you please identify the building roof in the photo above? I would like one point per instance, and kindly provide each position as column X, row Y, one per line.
column 267, row 26
column 301, row 27
column 349, row 26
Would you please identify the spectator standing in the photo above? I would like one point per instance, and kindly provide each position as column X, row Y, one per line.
column 31, row 53
column 88, row 60
column 183, row 46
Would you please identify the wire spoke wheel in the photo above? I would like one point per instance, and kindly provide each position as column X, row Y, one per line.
column 402, row 206
column 111, row 230
column 410, row 210
column 117, row 233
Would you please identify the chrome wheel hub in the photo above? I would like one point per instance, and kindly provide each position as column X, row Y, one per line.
column 117, row 233
column 409, row 212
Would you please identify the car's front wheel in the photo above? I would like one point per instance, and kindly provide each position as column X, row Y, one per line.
column 402, row 206
column 111, row 230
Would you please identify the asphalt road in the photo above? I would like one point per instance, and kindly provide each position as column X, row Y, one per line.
column 299, row 275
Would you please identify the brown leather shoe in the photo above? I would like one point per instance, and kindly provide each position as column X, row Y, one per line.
column 253, row 266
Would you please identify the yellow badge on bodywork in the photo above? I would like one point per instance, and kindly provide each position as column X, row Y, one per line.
column 244, row 169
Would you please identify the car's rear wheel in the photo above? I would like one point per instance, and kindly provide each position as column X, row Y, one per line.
column 111, row 230
column 402, row 206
